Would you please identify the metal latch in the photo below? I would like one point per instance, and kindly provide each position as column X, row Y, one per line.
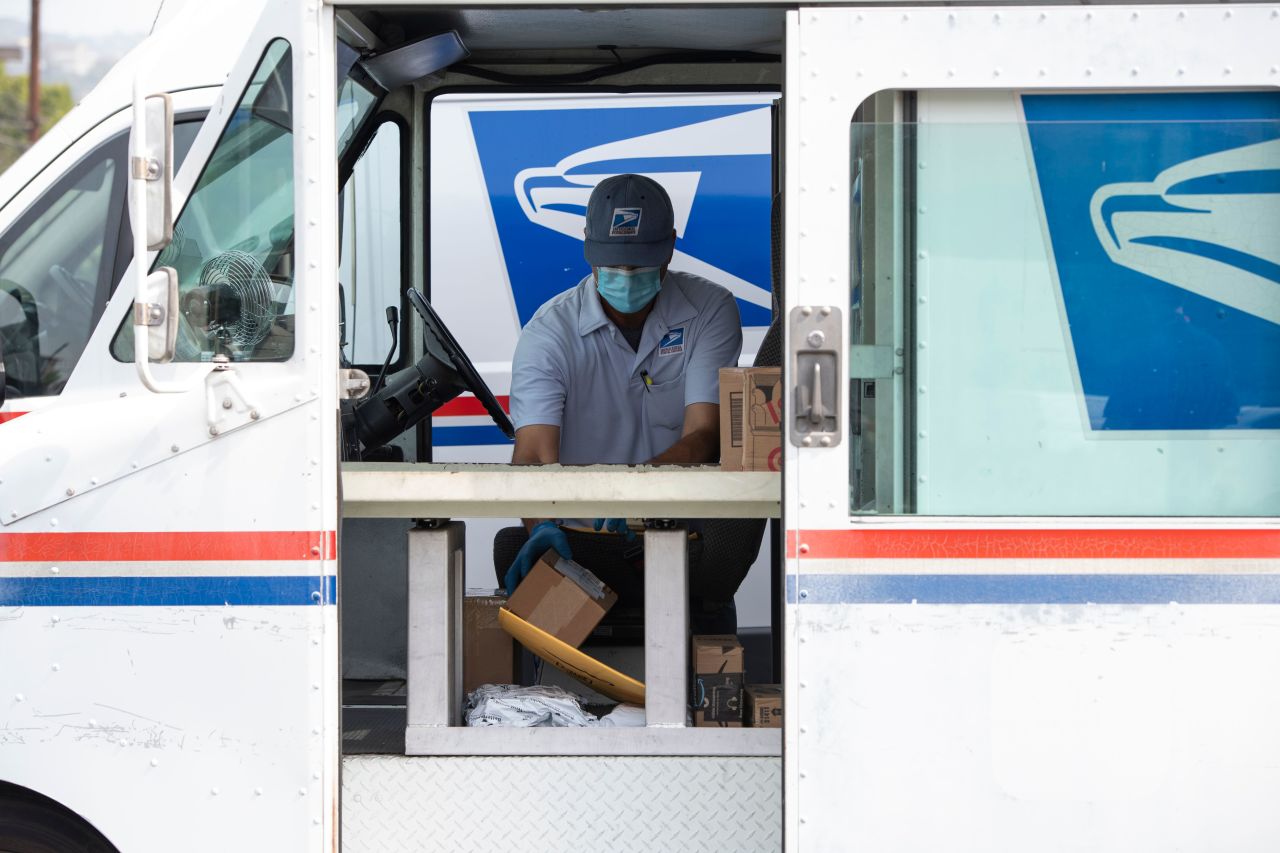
column 145, row 168
column 815, row 369
column 148, row 314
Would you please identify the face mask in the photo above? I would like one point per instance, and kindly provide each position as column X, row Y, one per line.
column 628, row 290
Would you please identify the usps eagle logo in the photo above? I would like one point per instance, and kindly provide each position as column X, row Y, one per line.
column 541, row 166
column 626, row 222
column 1162, row 211
column 672, row 342
column 1207, row 225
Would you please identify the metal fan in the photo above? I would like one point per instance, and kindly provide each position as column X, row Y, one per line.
column 238, row 278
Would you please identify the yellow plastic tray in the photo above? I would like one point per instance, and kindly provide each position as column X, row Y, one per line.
column 566, row 658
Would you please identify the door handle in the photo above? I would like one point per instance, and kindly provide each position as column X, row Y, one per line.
column 812, row 394
column 815, row 365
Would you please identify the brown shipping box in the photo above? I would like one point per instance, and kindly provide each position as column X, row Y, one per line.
column 751, row 418
column 488, row 652
column 562, row 598
column 717, row 681
column 764, row 706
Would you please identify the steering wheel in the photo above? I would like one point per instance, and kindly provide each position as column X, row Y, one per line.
column 445, row 344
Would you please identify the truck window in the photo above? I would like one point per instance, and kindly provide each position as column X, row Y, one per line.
column 233, row 242
column 370, row 265
column 1066, row 304
column 52, row 275
column 356, row 102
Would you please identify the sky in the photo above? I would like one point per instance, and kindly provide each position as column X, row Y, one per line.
column 87, row 17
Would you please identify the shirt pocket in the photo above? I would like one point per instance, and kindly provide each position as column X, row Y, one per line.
column 664, row 405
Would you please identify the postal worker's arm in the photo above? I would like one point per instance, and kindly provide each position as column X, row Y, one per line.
column 718, row 345
column 699, row 440
column 539, row 386
column 536, row 444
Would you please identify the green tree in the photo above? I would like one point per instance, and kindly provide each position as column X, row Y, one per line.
column 55, row 102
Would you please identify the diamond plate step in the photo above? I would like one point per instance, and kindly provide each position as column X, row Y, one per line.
column 399, row 803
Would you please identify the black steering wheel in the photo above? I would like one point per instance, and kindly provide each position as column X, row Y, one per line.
column 443, row 346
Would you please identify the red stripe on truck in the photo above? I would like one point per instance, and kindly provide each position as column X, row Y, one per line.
column 468, row 405
column 8, row 416
column 1033, row 544
column 183, row 546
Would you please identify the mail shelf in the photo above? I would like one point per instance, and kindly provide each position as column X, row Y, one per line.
column 428, row 491
column 406, row 490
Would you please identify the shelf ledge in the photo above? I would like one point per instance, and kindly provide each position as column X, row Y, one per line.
column 484, row 490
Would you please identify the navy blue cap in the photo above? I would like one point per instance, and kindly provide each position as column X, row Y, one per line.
column 629, row 223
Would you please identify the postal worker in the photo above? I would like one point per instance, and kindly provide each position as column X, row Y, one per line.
column 623, row 367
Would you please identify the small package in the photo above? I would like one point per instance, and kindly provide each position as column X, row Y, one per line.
column 488, row 652
column 562, row 598
column 764, row 705
column 717, row 681
column 751, row 418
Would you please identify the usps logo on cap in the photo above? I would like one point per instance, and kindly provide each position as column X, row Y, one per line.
column 626, row 222
column 672, row 342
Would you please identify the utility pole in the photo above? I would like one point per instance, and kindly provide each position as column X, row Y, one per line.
column 33, row 77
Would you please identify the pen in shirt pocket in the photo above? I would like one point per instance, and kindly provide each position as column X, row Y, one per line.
column 648, row 380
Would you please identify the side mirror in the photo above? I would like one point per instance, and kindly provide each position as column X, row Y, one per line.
column 155, row 302
column 415, row 61
column 151, row 170
column 155, row 316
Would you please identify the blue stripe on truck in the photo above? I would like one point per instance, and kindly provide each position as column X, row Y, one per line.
column 467, row 436
column 1034, row 589
column 140, row 591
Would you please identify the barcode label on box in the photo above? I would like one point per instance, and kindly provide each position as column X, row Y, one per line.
column 735, row 419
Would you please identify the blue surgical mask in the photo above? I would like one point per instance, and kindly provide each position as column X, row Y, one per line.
column 628, row 290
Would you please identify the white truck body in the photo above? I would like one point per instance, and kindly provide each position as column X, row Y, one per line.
column 1030, row 559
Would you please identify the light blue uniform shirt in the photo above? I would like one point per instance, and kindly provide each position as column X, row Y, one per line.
column 574, row 369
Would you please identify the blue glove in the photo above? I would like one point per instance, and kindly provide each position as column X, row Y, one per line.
column 546, row 534
column 616, row 525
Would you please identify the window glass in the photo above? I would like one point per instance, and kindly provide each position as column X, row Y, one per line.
column 370, row 264
column 233, row 242
column 355, row 103
column 1066, row 305
column 52, row 274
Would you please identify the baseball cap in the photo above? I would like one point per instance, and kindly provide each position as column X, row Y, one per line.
column 629, row 223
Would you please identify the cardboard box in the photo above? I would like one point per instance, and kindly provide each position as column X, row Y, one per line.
column 489, row 654
column 764, row 705
column 562, row 598
column 751, row 418
column 717, row 681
